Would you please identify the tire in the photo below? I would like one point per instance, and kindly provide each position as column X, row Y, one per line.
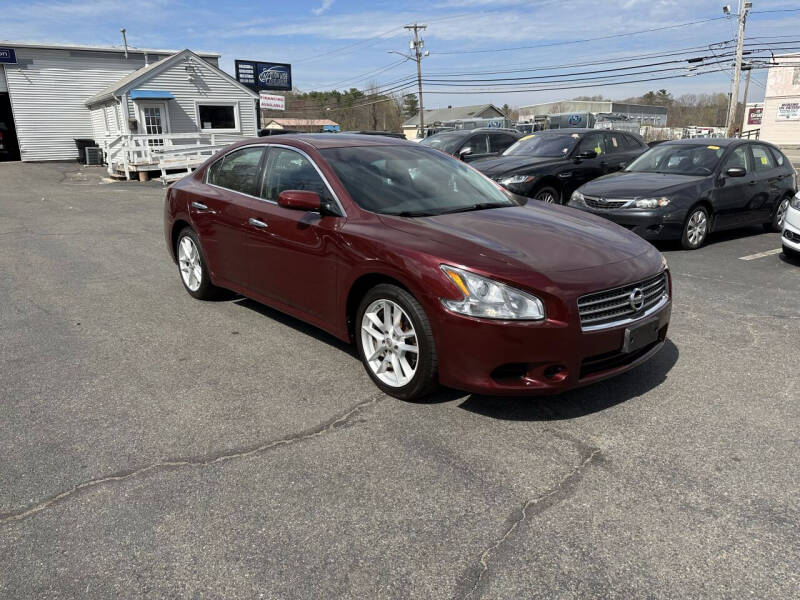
column 192, row 266
column 791, row 253
column 548, row 195
column 398, row 372
column 776, row 224
column 695, row 229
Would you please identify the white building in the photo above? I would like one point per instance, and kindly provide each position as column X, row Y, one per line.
column 149, row 100
column 780, row 121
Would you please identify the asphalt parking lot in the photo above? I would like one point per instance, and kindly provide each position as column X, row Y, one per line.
column 157, row 446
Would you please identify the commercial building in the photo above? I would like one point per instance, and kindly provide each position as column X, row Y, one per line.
column 132, row 102
column 780, row 121
column 606, row 114
column 305, row 125
column 451, row 114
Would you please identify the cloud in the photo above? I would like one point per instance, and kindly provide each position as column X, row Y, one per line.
column 326, row 4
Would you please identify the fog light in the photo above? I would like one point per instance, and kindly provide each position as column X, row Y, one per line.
column 556, row 372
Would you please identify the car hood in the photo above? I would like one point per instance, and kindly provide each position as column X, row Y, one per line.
column 495, row 167
column 637, row 185
column 537, row 245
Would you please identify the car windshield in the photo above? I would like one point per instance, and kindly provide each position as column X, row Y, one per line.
column 412, row 181
column 446, row 142
column 678, row 159
column 538, row 144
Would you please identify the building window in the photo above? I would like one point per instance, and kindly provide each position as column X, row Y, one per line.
column 218, row 117
column 796, row 76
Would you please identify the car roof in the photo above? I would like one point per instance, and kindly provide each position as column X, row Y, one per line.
column 338, row 140
column 721, row 142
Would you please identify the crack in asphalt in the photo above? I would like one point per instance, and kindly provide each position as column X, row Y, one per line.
column 329, row 426
column 534, row 506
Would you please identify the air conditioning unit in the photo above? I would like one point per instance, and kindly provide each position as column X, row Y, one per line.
column 94, row 155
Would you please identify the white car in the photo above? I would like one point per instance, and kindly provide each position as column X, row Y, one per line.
column 791, row 228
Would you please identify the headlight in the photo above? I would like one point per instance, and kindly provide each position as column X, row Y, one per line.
column 517, row 179
column 795, row 202
column 577, row 197
column 651, row 202
column 490, row 299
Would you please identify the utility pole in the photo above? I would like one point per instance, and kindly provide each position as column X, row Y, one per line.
column 744, row 7
column 749, row 68
column 416, row 45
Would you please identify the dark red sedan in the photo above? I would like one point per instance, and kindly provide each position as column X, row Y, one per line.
column 434, row 272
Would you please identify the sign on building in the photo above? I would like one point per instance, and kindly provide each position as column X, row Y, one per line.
column 788, row 111
column 272, row 101
column 264, row 75
column 8, row 55
column 754, row 115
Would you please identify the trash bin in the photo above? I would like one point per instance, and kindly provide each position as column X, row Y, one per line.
column 82, row 144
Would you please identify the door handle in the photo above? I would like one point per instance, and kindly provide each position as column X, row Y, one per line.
column 201, row 207
column 257, row 223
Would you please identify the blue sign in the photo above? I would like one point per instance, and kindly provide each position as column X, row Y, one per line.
column 264, row 75
column 575, row 119
column 7, row 55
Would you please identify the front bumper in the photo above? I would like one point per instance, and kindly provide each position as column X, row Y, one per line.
column 657, row 224
column 791, row 229
column 525, row 358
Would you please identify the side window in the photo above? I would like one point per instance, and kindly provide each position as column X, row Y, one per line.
column 780, row 159
column 763, row 158
column 614, row 143
column 290, row 170
column 738, row 159
column 630, row 143
column 592, row 142
column 499, row 142
column 238, row 171
column 479, row 143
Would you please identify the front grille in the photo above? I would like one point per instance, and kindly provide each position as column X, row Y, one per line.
column 609, row 307
column 791, row 236
column 605, row 203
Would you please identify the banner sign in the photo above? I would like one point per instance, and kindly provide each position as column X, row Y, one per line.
column 788, row 111
column 754, row 115
column 264, row 75
column 7, row 55
column 272, row 102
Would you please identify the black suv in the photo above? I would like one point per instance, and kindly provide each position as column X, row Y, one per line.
column 549, row 165
column 684, row 190
column 472, row 144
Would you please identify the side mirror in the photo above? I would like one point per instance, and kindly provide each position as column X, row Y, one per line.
column 736, row 172
column 464, row 152
column 587, row 154
column 300, row 200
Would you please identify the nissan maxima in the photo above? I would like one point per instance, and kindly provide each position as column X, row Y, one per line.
column 684, row 190
column 430, row 268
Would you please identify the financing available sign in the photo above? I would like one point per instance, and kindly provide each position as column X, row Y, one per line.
column 264, row 75
column 271, row 101
column 788, row 111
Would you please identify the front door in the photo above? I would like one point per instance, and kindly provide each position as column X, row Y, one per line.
column 153, row 121
column 734, row 196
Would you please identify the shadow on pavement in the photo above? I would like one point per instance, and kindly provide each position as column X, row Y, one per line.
column 583, row 401
column 714, row 238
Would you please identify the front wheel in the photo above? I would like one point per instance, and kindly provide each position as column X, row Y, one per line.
column 695, row 230
column 395, row 342
column 549, row 195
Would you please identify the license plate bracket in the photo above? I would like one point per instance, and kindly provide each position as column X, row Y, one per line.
column 640, row 336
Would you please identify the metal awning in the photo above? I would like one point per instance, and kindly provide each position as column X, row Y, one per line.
column 151, row 95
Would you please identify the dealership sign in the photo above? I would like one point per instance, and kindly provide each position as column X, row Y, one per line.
column 7, row 55
column 788, row 111
column 272, row 102
column 754, row 115
column 264, row 75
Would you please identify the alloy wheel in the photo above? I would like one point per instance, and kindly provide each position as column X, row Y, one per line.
column 780, row 216
column 390, row 343
column 547, row 197
column 189, row 262
column 697, row 227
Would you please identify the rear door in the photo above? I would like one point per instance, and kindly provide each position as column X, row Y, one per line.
column 220, row 214
column 770, row 184
column 616, row 152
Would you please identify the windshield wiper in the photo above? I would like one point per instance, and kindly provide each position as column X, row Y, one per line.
column 435, row 213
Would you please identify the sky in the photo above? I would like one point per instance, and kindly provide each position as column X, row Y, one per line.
column 346, row 43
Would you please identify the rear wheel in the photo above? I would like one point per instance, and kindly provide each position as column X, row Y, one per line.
column 395, row 343
column 192, row 266
column 695, row 230
column 779, row 217
column 549, row 195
